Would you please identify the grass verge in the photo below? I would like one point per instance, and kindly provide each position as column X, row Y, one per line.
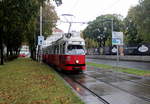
column 24, row 81
column 121, row 69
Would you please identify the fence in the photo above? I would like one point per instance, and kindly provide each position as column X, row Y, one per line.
column 142, row 49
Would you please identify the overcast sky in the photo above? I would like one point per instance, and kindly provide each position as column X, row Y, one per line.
column 88, row 10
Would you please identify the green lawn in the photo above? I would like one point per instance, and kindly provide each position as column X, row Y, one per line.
column 24, row 81
column 121, row 69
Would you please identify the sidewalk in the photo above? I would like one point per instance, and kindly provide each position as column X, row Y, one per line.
column 126, row 58
column 24, row 81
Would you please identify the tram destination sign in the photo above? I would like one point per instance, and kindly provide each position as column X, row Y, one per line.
column 117, row 38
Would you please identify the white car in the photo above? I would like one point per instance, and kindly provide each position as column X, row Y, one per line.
column 24, row 53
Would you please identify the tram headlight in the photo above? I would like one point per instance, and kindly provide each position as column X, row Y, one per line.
column 77, row 61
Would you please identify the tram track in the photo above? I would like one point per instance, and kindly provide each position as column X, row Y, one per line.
column 86, row 88
column 102, row 99
column 141, row 97
column 138, row 83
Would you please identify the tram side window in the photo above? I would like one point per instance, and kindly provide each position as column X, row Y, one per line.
column 54, row 49
column 57, row 50
column 49, row 50
column 60, row 49
column 45, row 51
column 63, row 48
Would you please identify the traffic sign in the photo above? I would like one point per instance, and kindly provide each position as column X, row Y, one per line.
column 40, row 40
column 117, row 38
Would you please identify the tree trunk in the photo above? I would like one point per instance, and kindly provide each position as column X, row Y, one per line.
column 31, row 51
column 7, row 54
column 1, row 50
column 11, row 52
column 33, row 56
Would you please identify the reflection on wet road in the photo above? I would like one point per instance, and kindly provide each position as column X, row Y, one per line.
column 126, row 64
column 99, row 86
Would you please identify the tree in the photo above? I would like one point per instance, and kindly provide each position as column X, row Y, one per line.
column 49, row 22
column 130, row 29
column 90, row 43
column 49, row 19
column 141, row 17
column 16, row 18
column 1, row 35
column 100, row 29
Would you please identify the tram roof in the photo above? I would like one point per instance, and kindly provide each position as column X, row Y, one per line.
column 61, row 37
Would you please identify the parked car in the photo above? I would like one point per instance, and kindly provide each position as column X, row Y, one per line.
column 24, row 54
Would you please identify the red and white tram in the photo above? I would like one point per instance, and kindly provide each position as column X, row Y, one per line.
column 66, row 53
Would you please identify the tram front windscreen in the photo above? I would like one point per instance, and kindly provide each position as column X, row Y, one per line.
column 75, row 50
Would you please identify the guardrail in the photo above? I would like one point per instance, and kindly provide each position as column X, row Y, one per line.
column 126, row 58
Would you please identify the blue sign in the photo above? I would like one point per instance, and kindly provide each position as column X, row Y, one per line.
column 116, row 41
column 117, row 38
column 40, row 40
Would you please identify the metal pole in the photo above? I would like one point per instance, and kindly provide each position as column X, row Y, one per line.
column 112, row 28
column 117, row 56
column 40, row 46
column 41, row 20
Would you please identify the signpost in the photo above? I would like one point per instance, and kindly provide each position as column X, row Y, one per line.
column 40, row 39
column 117, row 39
column 40, row 44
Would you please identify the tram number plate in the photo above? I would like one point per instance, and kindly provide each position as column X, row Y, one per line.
column 76, row 68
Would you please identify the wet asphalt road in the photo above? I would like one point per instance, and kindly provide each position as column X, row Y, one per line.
column 109, row 87
column 126, row 64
